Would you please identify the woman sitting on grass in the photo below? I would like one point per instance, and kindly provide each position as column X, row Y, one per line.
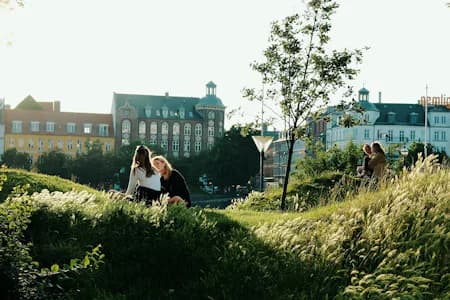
column 377, row 161
column 172, row 182
column 144, row 183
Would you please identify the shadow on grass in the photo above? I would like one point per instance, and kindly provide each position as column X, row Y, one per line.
column 176, row 253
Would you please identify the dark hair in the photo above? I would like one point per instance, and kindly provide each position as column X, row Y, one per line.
column 376, row 146
column 141, row 159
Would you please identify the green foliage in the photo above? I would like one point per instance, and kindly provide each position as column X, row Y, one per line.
column 334, row 160
column 54, row 163
column 35, row 183
column 14, row 159
column 391, row 243
column 302, row 194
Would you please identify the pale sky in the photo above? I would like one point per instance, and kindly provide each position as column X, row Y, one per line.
column 79, row 52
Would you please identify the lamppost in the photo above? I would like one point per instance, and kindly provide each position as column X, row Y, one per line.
column 262, row 143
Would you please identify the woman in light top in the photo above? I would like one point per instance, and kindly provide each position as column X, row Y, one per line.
column 144, row 183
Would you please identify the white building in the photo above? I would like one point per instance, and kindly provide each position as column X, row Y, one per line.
column 393, row 124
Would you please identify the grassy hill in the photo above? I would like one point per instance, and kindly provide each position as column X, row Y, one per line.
column 389, row 244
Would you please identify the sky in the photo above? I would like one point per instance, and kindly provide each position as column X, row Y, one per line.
column 80, row 52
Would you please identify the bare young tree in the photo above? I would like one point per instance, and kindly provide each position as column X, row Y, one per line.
column 300, row 73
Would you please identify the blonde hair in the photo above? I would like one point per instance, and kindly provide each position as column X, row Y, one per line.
column 141, row 158
column 167, row 166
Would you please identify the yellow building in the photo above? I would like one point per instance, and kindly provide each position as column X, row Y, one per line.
column 38, row 127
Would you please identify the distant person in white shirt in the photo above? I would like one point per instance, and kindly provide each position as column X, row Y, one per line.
column 144, row 183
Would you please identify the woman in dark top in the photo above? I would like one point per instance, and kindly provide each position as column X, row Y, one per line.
column 172, row 182
column 364, row 170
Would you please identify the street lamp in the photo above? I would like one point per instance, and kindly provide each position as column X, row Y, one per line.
column 262, row 143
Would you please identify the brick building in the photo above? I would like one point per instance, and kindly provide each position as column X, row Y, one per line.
column 182, row 126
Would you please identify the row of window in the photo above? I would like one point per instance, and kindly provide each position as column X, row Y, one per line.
column 35, row 126
column 187, row 129
column 440, row 119
column 51, row 144
column 389, row 135
column 181, row 113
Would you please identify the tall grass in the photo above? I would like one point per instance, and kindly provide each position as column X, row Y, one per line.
column 386, row 244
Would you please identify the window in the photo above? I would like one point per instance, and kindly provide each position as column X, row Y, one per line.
column 165, row 112
column 187, row 146
column 50, row 144
column 211, row 115
column 153, row 128
column 443, row 136
column 198, row 129
column 60, row 144
column 71, row 127
column 40, row 145
column 390, row 136
column 16, row 127
column 148, row 111
column 164, row 144
column 175, row 145
column 391, row 117
column 191, row 114
column 142, row 130
column 436, row 119
column 366, row 134
column 366, row 118
column 103, row 129
column 210, row 131
column 413, row 135
column 126, row 130
column 182, row 112
column 210, row 145
column 413, row 117
column 198, row 146
column 34, row 126
column 87, row 128
column 153, row 140
column 79, row 145
column 50, row 126
column 165, row 128
column 30, row 144
column 402, row 136
column 158, row 113
column 107, row 147
column 436, row 136
column 69, row 146
column 176, row 129
column 443, row 120
column 187, row 129
column 20, row 143
column 11, row 142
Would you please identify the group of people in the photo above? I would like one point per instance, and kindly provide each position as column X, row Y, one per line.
column 151, row 177
column 374, row 161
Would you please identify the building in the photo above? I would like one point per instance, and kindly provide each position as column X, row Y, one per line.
column 280, row 156
column 37, row 127
column 182, row 126
column 396, row 125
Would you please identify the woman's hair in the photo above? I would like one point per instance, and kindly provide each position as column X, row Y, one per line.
column 141, row 159
column 365, row 148
column 167, row 165
column 376, row 147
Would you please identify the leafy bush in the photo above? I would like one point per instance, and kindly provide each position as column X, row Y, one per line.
column 302, row 194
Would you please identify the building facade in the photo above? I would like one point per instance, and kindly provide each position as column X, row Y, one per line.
column 37, row 127
column 181, row 126
column 395, row 125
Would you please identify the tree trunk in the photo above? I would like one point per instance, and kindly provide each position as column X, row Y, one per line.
column 291, row 143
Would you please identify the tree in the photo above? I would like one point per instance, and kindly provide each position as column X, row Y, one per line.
column 299, row 73
column 234, row 158
column 54, row 163
column 14, row 159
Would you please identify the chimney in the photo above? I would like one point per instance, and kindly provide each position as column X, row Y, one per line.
column 379, row 97
column 56, row 106
column 167, row 94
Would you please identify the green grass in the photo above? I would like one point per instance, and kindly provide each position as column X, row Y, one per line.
column 37, row 182
column 392, row 243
